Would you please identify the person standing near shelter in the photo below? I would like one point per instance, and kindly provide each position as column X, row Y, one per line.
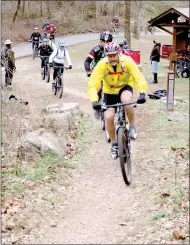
column 155, row 58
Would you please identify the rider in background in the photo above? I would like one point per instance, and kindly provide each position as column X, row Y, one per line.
column 45, row 51
column 97, row 52
column 46, row 24
column 119, row 74
column 57, row 58
column 51, row 30
column 35, row 37
column 95, row 55
column 116, row 21
column 50, row 42
column 120, row 42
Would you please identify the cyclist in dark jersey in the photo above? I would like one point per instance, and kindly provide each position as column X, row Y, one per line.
column 97, row 53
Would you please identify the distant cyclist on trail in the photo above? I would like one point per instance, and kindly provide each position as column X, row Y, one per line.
column 45, row 51
column 116, row 21
column 46, row 24
column 35, row 37
column 57, row 58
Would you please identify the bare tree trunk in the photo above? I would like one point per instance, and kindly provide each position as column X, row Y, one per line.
column 23, row 9
column 97, row 10
column 113, row 13
column 41, row 13
column 16, row 13
column 48, row 10
column 127, row 25
column 136, row 28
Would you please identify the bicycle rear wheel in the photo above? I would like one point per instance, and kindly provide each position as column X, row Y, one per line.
column 34, row 53
column 124, row 154
column 47, row 73
column 59, row 87
column 54, row 86
column 44, row 73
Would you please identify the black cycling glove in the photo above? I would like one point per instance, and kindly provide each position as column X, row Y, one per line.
column 141, row 99
column 96, row 106
column 70, row 67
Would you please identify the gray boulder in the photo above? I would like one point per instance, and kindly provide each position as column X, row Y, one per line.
column 40, row 142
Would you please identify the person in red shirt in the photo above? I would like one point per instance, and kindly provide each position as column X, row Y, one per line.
column 116, row 21
column 51, row 29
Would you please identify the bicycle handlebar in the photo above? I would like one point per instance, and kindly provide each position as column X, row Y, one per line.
column 133, row 104
column 35, row 41
column 61, row 67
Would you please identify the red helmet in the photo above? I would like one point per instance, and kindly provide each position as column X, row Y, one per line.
column 111, row 48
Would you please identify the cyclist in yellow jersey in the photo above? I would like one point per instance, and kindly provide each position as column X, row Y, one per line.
column 119, row 74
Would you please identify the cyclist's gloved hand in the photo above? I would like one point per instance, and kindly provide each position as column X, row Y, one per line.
column 141, row 99
column 70, row 67
column 96, row 106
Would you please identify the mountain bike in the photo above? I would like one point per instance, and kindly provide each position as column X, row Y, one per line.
column 46, row 72
column 123, row 139
column 115, row 28
column 57, row 87
column 35, row 49
column 150, row 29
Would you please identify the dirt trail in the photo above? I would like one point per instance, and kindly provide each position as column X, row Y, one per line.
column 99, row 207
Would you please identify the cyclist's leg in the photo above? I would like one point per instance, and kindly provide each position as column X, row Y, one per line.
column 54, row 70
column 109, row 114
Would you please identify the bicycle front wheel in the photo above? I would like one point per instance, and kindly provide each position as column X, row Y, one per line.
column 34, row 53
column 44, row 73
column 47, row 73
column 60, row 87
column 124, row 154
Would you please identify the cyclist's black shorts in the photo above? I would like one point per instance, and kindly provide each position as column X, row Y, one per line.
column 110, row 99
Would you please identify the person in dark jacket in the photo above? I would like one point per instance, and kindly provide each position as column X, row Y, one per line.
column 155, row 58
column 45, row 52
column 8, row 61
column 36, row 37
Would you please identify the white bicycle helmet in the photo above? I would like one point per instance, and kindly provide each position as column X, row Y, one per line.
column 111, row 48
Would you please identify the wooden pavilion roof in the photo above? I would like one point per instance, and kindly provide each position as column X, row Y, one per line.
column 170, row 17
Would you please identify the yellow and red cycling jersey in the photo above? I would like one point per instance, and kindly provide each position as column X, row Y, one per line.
column 127, row 72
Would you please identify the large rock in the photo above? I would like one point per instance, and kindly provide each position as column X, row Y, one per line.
column 73, row 108
column 61, row 118
column 39, row 143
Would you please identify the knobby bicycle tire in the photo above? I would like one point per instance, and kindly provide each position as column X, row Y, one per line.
column 47, row 73
column 59, row 87
column 124, row 156
column 34, row 53
column 44, row 73
column 54, row 86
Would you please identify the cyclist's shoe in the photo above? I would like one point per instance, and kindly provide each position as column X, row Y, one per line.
column 114, row 151
column 97, row 114
column 133, row 133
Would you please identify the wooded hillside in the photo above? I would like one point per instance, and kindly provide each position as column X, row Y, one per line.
column 20, row 17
